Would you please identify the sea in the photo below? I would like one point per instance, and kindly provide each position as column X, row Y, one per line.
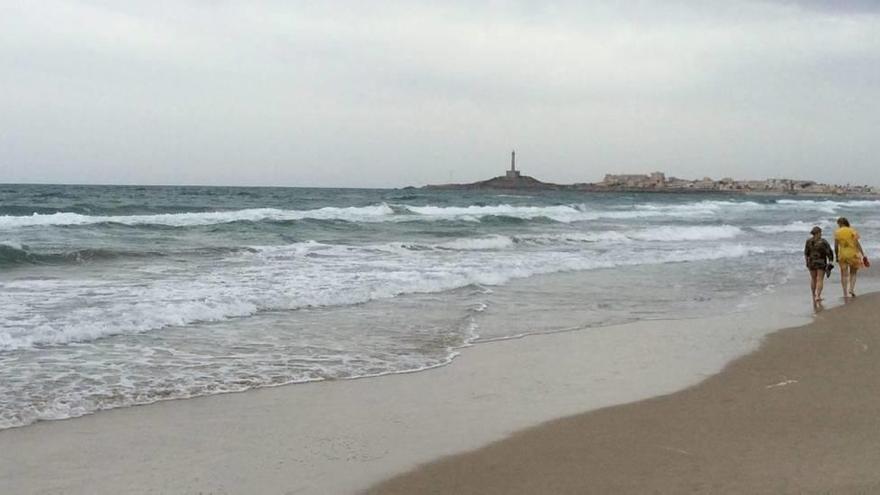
column 113, row 296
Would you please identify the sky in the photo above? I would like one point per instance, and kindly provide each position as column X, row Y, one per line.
column 396, row 93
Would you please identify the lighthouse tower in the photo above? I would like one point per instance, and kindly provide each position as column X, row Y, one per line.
column 513, row 173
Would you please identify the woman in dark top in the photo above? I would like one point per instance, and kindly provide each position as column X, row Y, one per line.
column 818, row 257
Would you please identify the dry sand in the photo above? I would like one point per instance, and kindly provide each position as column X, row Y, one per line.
column 800, row 415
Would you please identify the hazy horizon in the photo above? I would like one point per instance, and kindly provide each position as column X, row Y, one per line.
column 396, row 94
column 525, row 173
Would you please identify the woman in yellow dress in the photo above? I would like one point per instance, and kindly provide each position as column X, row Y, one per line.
column 850, row 255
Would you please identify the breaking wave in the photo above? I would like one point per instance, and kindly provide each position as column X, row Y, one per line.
column 796, row 226
column 385, row 212
column 277, row 279
column 352, row 214
column 14, row 254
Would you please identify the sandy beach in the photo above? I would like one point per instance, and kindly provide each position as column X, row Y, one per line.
column 797, row 416
column 344, row 436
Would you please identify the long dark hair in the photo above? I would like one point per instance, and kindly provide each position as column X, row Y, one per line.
column 843, row 222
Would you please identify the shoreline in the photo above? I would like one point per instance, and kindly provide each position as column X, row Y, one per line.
column 343, row 436
column 798, row 415
column 670, row 191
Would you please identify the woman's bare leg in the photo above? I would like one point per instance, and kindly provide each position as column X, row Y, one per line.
column 844, row 279
column 853, row 272
column 820, row 284
column 813, row 283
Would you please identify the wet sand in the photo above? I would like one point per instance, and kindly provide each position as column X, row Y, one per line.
column 799, row 415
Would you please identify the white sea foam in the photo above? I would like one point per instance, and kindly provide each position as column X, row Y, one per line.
column 581, row 212
column 559, row 213
column 827, row 206
column 12, row 244
column 665, row 233
column 710, row 205
column 479, row 243
column 282, row 278
column 374, row 213
column 384, row 213
column 77, row 382
column 797, row 226
column 502, row 242
column 354, row 214
column 608, row 236
column 698, row 209
column 709, row 208
column 687, row 233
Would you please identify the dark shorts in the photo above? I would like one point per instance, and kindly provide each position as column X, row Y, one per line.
column 818, row 265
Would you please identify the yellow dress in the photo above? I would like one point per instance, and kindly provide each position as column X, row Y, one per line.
column 847, row 249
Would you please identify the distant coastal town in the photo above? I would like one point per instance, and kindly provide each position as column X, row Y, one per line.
column 659, row 182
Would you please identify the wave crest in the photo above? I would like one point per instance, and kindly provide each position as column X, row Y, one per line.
column 354, row 214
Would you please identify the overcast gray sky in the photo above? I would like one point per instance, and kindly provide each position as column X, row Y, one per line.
column 393, row 93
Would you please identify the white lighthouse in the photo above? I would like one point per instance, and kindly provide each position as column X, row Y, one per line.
column 513, row 173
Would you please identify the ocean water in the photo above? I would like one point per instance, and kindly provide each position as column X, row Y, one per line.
column 112, row 296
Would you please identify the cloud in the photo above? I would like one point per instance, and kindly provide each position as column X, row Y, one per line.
column 394, row 93
column 836, row 6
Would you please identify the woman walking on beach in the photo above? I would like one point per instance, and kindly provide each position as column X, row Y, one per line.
column 850, row 255
column 818, row 257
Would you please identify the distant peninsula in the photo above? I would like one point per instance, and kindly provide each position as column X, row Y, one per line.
column 658, row 182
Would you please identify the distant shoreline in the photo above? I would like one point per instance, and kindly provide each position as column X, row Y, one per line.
column 657, row 182
column 623, row 190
